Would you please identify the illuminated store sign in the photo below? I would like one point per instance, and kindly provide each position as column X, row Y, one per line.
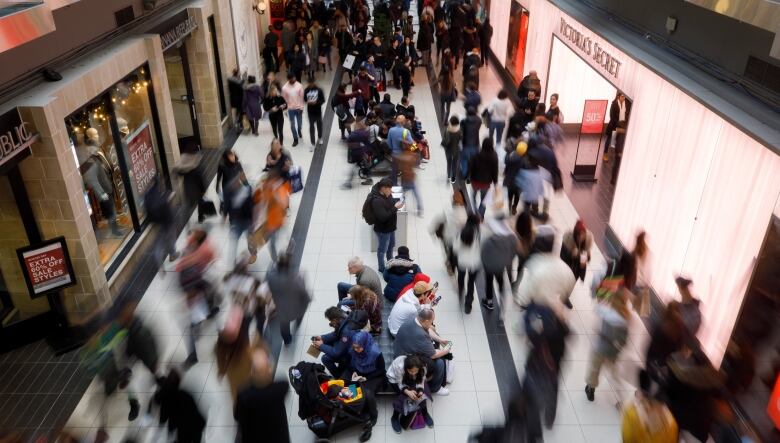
column 590, row 48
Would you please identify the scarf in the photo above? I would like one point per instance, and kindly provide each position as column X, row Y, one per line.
column 364, row 362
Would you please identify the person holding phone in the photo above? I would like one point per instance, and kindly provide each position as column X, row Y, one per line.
column 409, row 375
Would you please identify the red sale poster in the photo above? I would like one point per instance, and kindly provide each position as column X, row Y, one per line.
column 140, row 150
column 593, row 115
column 46, row 266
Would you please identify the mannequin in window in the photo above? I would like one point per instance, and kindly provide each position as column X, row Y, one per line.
column 96, row 172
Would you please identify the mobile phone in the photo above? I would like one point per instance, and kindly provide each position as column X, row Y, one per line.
column 436, row 300
column 436, row 286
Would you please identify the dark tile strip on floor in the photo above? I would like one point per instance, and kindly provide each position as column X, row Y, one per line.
column 500, row 351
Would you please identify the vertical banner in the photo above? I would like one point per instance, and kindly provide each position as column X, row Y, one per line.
column 143, row 168
column 245, row 33
column 593, row 115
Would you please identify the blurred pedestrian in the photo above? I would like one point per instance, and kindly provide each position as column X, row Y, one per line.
column 512, row 164
column 233, row 350
column 486, row 34
column 612, row 337
column 259, row 409
column 193, row 182
column 272, row 202
column 469, row 259
column 448, row 93
column 447, row 228
column 425, row 39
column 530, row 82
column 483, row 170
column 451, row 144
column 289, row 294
column 499, row 111
column 524, row 228
column 239, row 211
column 648, row 420
column 197, row 256
column 159, row 212
column 178, row 409
column 469, row 127
column 689, row 307
column 498, row 250
column 236, row 94
column 253, row 97
column 407, row 162
column 575, row 249
column 546, row 279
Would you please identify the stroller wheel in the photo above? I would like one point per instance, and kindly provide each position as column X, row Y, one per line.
column 364, row 173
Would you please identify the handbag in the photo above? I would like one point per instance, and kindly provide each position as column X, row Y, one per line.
column 322, row 59
column 296, row 179
column 418, row 422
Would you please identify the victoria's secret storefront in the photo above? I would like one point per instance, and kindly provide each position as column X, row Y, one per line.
column 681, row 158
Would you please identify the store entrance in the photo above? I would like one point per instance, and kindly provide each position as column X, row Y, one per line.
column 574, row 83
column 177, row 69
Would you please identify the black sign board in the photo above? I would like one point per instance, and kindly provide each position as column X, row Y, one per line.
column 175, row 29
column 16, row 137
column 46, row 266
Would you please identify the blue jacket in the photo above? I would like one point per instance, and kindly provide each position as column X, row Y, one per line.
column 337, row 343
column 397, row 277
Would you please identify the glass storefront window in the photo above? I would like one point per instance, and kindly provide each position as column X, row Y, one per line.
column 115, row 147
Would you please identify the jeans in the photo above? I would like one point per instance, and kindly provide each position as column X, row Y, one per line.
column 498, row 128
column 296, row 123
column 315, row 121
column 471, row 283
column 238, row 228
column 465, row 158
column 438, row 374
column 271, row 238
column 412, row 187
column 513, row 193
column 489, row 277
column 284, row 329
column 343, row 289
column 384, row 248
column 481, row 193
column 277, row 124
column 253, row 122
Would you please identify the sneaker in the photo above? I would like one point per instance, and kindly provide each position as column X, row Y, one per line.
column 395, row 422
column 488, row 304
column 443, row 391
column 311, row 148
column 191, row 360
column 172, row 257
column 295, row 143
column 428, row 419
column 590, row 393
column 452, row 181
column 319, row 142
column 568, row 304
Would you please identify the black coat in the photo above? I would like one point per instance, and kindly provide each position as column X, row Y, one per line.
column 261, row 413
column 384, row 210
column 470, row 127
column 180, row 411
column 425, row 37
column 614, row 114
column 236, row 92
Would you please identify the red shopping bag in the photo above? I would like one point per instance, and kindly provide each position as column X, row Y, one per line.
column 380, row 86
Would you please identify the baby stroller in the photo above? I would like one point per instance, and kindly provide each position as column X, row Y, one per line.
column 328, row 416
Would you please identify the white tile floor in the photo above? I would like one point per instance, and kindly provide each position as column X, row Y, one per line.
column 337, row 232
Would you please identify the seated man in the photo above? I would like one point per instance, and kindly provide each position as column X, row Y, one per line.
column 408, row 305
column 335, row 345
column 387, row 106
column 399, row 272
column 414, row 338
column 364, row 276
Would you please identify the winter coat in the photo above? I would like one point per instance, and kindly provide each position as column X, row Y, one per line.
column 497, row 249
column 384, row 210
column 546, row 280
column 470, row 131
column 425, row 37
column 512, row 164
column 253, row 96
column 142, row 345
column 484, row 167
column 289, row 294
column 451, row 140
column 236, row 92
column 398, row 273
column 191, row 171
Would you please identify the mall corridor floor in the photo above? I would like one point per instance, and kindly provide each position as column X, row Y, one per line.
column 325, row 221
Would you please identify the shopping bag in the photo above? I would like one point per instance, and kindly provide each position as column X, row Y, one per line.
column 296, row 179
column 349, row 61
column 380, row 86
column 425, row 151
column 322, row 59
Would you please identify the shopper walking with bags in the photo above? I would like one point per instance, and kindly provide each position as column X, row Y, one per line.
column 612, row 338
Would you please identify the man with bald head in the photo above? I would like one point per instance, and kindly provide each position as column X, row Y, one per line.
column 398, row 137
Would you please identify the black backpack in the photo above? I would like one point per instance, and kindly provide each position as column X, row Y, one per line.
column 368, row 209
